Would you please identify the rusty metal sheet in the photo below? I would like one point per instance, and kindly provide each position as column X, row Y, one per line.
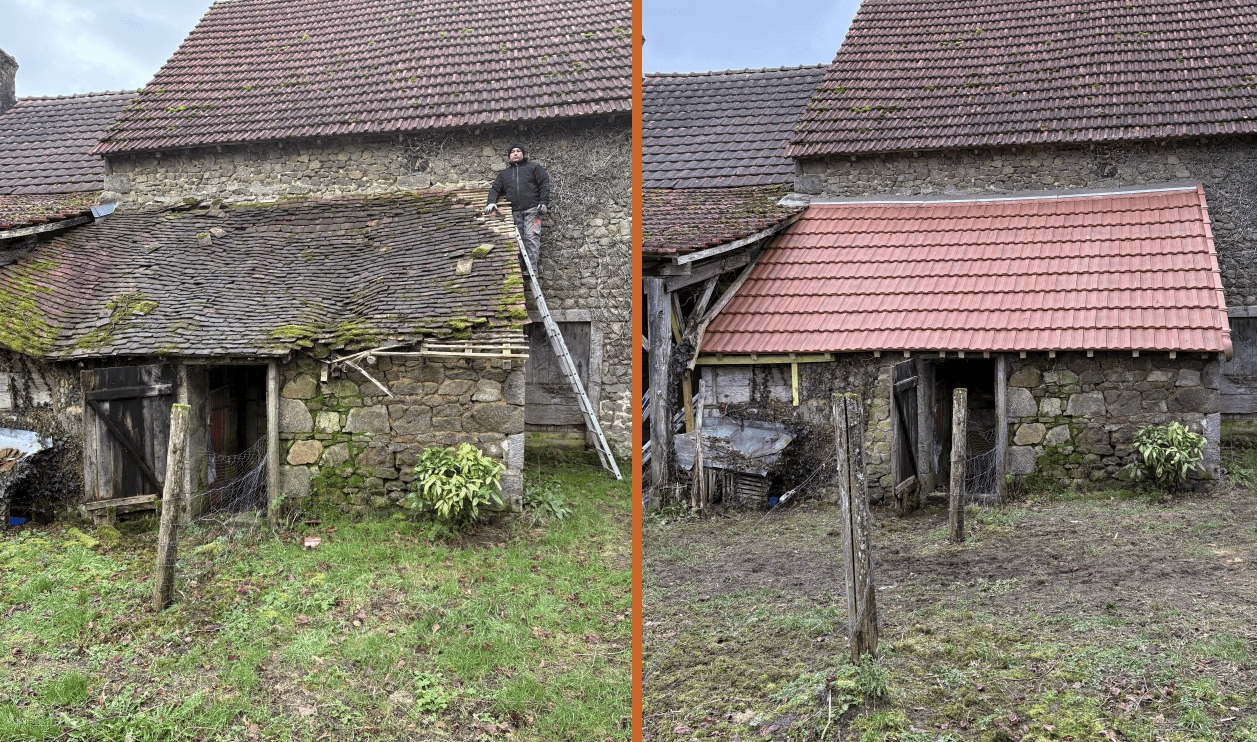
column 747, row 446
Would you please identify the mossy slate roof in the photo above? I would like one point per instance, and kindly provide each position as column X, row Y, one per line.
column 676, row 221
column 47, row 171
column 263, row 279
column 722, row 129
column 1123, row 271
column 971, row 73
column 258, row 70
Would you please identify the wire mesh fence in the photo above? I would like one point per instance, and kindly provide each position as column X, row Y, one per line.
column 980, row 471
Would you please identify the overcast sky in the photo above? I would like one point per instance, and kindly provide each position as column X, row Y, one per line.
column 81, row 46
column 704, row 35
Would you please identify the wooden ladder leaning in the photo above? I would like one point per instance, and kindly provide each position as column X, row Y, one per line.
column 567, row 365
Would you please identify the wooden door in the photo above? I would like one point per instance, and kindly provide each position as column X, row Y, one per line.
column 126, row 426
column 904, row 430
column 1239, row 375
column 549, row 399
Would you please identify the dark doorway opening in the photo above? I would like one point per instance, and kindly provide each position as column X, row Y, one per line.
column 236, row 444
column 978, row 376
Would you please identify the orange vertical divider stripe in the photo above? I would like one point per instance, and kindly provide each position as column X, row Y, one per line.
column 639, row 371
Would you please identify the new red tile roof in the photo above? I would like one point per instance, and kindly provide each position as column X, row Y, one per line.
column 678, row 221
column 962, row 73
column 720, row 129
column 46, row 143
column 264, row 279
column 256, row 70
column 1127, row 271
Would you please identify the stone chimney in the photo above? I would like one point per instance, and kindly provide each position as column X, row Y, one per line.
column 8, row 78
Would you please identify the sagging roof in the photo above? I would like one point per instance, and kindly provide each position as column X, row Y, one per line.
column 263, row 279
column 680, row 221
column 1132, row 270
column 47, row 171
column 722, row 129
column 966, row 73
column 259, row 70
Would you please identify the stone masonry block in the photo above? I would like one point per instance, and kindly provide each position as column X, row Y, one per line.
column 1086, row 404
column 373, row 419
column 335, row 455
column 1021, row 459
column 302, row 387
column 1030, row 433
column 294, row 481
column 294, row 417
column 305, row 452
column 1021, row 403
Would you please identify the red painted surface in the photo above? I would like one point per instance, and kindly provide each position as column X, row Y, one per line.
column 1133, row 271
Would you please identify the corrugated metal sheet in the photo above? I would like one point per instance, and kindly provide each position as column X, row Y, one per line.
column 1118, row 271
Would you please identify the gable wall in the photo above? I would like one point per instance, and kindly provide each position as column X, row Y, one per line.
column 1226, row 166
column 585, row 242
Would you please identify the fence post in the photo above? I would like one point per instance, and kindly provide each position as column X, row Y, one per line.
column 959, row 449
column 857, row 523
column 168, row 533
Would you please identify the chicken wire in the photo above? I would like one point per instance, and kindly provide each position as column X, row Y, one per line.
column 235, row 484
column 980, row 471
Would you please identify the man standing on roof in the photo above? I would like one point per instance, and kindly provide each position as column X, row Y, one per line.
column 526, row 186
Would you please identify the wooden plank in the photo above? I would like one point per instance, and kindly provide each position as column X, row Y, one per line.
column 168, row 532
column 731, row 385
column 687, row 396
column 130, row 392
column 1001, row 426
column 700, row 304
column 908, row 383
column 959, row 443
column 856, row 527
column 547, row 390
column 91, row 466
column 699, row 255
column 676, row 316
column 794, row 383
column 905, row 485
column 121, row 502
column 8, row 234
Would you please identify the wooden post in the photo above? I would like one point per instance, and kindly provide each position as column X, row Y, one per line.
column 925, row 429
column 1001, row 426
column 659, row 331
column 272, row 443
column 698, row 494
column 857, row 522
column 171, row 501
column 959, row 449
column 687, row 398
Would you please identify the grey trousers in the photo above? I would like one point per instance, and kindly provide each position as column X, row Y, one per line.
column 531, row 236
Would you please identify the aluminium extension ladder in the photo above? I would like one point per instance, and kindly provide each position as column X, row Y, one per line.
column 568, row 366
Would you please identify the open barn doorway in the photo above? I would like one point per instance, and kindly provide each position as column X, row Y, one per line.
column 978, row 376
column 236, row 439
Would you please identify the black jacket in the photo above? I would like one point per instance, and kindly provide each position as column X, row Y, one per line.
column 524, row 184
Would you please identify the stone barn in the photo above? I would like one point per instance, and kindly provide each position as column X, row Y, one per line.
column 338, row 337
column 1054, row 103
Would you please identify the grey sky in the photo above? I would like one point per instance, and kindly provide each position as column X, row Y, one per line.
column 704, row 35
column 80, row 46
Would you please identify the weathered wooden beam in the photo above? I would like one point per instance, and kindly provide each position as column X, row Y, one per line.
column 701, row 304
column 669, row 269
column 925, row 428
column 272, row 442
column 120, row 502
column 794, row 382
column 723, row 359
column 8, row 234
column 168, row 532
column 857, row 522
column 129, row 392
column 754, row 237
column 713, row 269
column 659, row 334
column 1001, row 426
column 959, row 449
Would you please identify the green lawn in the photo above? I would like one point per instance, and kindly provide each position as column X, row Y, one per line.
column 520, row 630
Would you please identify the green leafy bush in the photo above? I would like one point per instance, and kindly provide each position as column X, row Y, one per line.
column 453, row 484
column 544, row 500
column 1166, row 453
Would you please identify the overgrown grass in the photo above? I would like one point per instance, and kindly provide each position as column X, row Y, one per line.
column 517, row 630
column 1100, row 616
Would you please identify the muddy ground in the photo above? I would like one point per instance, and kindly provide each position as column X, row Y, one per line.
column 1072, row 596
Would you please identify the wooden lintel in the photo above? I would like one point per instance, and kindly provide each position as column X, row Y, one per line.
column 129, row 392
column 722, row 359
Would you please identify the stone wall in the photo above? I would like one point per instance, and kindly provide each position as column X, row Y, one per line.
column 1226, row 166
column 586, row 245
column 8, row 81
column 47, row 399
column 1072, row 418
column 347, row 443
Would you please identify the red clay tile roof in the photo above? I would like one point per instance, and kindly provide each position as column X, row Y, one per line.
column 678, row 221
column 45, row 143
column 720, row 129
column 1128, row 271
column 25, row 210
column 256, row 70
column 964, row 73
column 263, row 279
